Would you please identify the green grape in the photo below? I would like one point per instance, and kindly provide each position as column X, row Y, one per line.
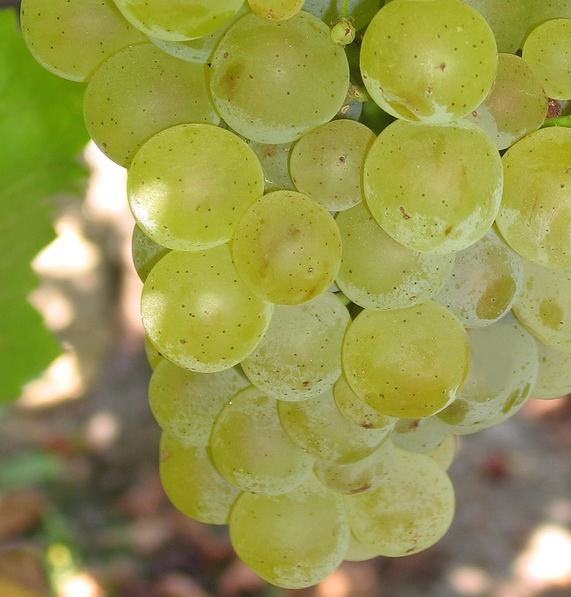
column 485, row 282
column 71, row 38
column 199, row 314
column 326, row 163
column 443, row 454
column 357, row 552
column 406, row 363
column 317, row 426
column 272, row 81
column 377, row 272
column 419, row 435
column 544, row 305
column 503, row 371
column 154, row 357
column 447, row 51
column 276, row 9
column 185, row 403
column 189, row 185
column 293, row 540
column 548, row 51
column 554, row 373
column 145, row 252
column 516, row 106
column 362, row 11
column 287, row 248
column 139, row 92
column 435, row 189
column 359, row 476
column 507, row 19
column 192, row 483
column 408, row 512
column 545, row 10
column 355, row 409
column 299, row 356
column 536, row 204
column 183, row 19
column 274, row 160
column 252, row 451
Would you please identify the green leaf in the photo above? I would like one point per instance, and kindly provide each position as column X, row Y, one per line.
column 41, row 134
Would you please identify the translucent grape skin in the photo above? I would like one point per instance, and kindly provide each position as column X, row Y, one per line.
column 554, row 373
column 276, row 9
column 296, row 77
column 145, row 252
column 541, row 11
column 446, row 49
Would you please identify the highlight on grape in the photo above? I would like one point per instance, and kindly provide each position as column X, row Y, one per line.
column 353, row 224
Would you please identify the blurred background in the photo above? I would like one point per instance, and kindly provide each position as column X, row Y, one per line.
column 82, row 512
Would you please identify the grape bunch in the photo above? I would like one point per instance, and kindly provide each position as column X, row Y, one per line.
column 353, row 225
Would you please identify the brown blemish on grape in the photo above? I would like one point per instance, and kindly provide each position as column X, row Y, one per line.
column 404, row 214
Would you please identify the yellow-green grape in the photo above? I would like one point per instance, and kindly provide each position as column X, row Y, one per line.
column 544, row 305
column 287, row 248
column 145, row 252
column 357, row 552
column 507, row 18
column 545, row 10
column 359, row 476
column 199, row 314
column 536, row 204
column 516, row 106
column 272, row 81
column 300, row 354
column 548, row 51
column 419, row 435
column 183, row 19
column 355, row 409
column 554, row 374
column 407, row 363
column 274, row 160
column 276, row 9
column 327, row 163
column 71, row 38
column 139, row 92
column 362, row 11
column 443, row 454
column 435, row 189
column 252, row 451
column 193, row 484
column 408, row 512
column 428, row 60
column 154, row 357
column 189, row 185
column 378, row 272
column 185, row 404
column 503, row 370
column 293, row 540
column 317, row 426
column 485, row 282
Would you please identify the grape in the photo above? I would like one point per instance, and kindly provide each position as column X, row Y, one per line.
column 189, row 184
column 362, row 11
column 408, row 512
column 536, row 204
column 185, row 403
column 71, row 38
column 548, row 51
column 145, row 252
column 293, row 540
column 274, row 160
column 485, row 282
column 503, row 370
column 507, row 19
column 433, row 188
column 357, row 552
column 392, row 276
column 545, row 10
column 139, row 92
column 554, row 373
column 326, row 163
column 276, row 9
column 252, row 451
column 198, row 312
column 443, row 454
column 184, row 19
column 317, row 426
column 516, row 106
column 272, row 81
column 154, row 357
column 300, row 354
column 287, row 248
column 359, row 476
column 192, row 483
column 446, row 49
column 419, row 435
column 543, row 305
column 406, row 363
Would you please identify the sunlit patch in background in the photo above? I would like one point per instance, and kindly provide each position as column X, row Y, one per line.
column 470, row 581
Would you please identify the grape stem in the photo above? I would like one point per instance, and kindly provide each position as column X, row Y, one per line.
column 345, row 9
column 558, row 121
